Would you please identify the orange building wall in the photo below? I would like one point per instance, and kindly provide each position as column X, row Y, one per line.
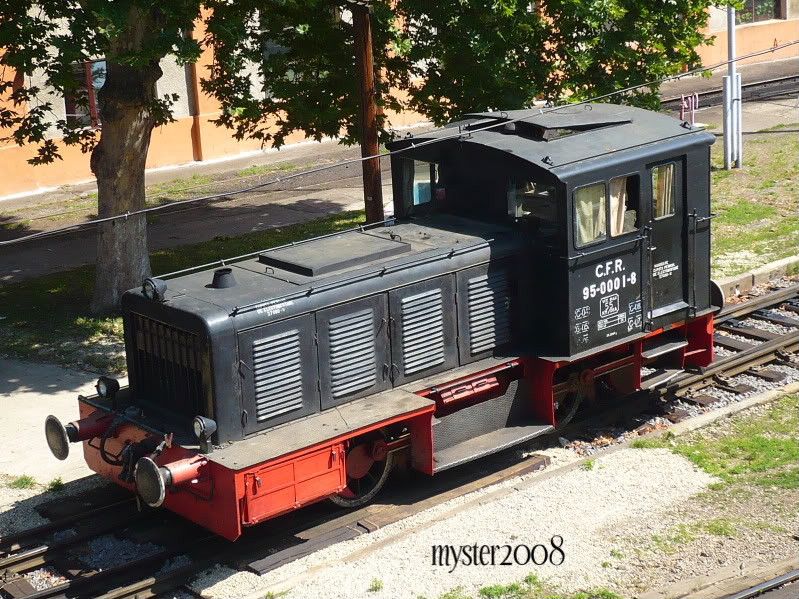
column 753, row 38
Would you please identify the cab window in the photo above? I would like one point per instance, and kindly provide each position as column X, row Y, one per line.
column 421, row 179
column 663, row 190
column 624, row 209
column 589, row 214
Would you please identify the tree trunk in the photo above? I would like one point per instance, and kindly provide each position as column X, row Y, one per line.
column 127, row 120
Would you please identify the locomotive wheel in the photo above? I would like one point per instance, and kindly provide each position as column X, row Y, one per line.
column 365, row 475
column 567, row 409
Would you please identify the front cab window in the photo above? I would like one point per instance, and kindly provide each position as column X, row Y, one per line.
column 589, row 214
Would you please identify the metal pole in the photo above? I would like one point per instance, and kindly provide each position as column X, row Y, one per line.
column 364, row 64
column 739, row 144
column 727, row 102
column 732, row 138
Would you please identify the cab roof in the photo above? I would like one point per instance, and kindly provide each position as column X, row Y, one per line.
column 551, row 138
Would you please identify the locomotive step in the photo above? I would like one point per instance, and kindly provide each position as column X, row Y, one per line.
column 659, row 377
column 662, row 345
column 486, row 444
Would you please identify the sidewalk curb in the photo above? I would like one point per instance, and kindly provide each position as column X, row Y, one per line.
column 739, row 284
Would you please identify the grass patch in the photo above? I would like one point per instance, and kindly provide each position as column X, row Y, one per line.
column 646, row 444
column 265, row 169
column 55, row 485
column 23, row 482
column 59, row 328
column 616, row 553
column 533, row 587
column 781, row 126
column 763, row 451
column 588, row 464
column 755, row 204
column 375, row 586
column 745, row 213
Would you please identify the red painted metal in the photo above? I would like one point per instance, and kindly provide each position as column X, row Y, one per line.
column 93, row 426
column 469, row 390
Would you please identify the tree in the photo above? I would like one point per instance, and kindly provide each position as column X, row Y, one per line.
column 286, row 66
column 52, row 37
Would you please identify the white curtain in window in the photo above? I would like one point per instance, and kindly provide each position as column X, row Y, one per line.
column 664, row 195
column 590, row 211
column 618, row 204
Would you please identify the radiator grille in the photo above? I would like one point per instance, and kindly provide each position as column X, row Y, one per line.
column 167, row 366
column 277, row 374
column 352, row 353
column 422, row 331
column 489, row 311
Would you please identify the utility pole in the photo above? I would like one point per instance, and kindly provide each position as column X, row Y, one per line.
column 733, row 138
column 364, row 64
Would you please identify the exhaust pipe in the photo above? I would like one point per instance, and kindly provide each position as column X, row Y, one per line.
column 153, row 480
column 59, row 436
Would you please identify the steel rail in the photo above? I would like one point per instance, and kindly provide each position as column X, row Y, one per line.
column 17, row 541
column 762, row 301
column 765, row 586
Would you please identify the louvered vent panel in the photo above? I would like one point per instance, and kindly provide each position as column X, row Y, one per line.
column 277, row 374
column 422, row 331
column 489, row 312
column 352, row 353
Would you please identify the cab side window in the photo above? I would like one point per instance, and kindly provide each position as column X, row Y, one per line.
column 589, row 214
column 421, row 179
column 663, row 190
column 624, row 205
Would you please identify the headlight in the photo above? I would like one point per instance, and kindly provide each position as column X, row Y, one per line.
column 154, row 289
column 203, row 427
column 106, row 387
column 199, row 427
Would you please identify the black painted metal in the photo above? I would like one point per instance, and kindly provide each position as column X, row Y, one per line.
column 456, row 279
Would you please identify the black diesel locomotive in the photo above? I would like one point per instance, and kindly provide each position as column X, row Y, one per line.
column 526, row 263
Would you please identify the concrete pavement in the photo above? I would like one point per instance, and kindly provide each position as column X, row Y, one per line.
column 28, row 393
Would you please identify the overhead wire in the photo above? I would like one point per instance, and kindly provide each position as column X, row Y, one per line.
column 459, row 134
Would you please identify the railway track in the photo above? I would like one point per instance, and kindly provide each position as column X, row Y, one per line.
column 758, row 90
column 745, row 348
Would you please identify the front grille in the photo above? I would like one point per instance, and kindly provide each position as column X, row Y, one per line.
column 167, row 365
column 489, row 311
column 352, row 353
column 422, row 331
column 277, row 368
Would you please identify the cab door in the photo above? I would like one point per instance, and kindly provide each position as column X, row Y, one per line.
column 666, row 250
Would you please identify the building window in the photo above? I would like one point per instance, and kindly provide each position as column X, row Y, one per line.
column 81, row 105
column 754, row 11
column 589, row 213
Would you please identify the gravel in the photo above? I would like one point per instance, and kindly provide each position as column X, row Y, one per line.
column 108, row 551
column 738, row 337
column 44, row 578
column 764, row 325
column 627, row 487
column 18, row 506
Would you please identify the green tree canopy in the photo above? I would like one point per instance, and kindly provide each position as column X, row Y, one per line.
column 286, row 66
